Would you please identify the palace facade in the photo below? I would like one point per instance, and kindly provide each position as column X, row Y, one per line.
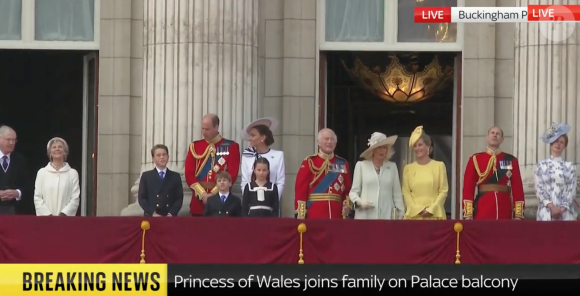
column 163, row 64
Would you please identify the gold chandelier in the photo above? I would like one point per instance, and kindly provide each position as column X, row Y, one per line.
column 398, row 84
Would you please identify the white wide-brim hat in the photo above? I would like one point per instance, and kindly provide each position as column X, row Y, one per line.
column 270, row 122
column 377, row 140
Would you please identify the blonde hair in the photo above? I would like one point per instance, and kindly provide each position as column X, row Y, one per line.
column 52, row 142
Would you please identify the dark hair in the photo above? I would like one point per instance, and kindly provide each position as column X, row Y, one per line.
column 565, row 137
column 223, row 175
column 159, row 146
column 261, row 160
column 266, row 132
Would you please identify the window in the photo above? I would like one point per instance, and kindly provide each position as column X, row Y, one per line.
column 64, row 20
column 378, row 25
column 355, row 20
column 10, row 19
column 49, row 24
column 409, row 31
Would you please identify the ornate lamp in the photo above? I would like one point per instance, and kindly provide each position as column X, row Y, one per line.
column 400, row 85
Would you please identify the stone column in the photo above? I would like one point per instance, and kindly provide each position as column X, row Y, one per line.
column 547, row 76
column 200, row 56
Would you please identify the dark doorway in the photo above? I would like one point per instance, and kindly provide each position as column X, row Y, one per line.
column 42, row 97
column 355, row 113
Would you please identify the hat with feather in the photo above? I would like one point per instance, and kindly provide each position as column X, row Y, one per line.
column 555, row 131
column 378, row 140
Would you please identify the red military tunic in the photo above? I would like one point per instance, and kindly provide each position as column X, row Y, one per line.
column 322, row 186
column 500, row 192
column 203, row 161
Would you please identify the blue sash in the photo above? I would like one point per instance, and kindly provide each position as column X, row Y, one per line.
column 208, row 166
column 329, row 178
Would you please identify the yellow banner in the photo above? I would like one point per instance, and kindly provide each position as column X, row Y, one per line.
column 83, row 279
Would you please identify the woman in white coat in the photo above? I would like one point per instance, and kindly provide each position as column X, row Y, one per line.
column 57, row 191
column 376, row 188
column 260, row 137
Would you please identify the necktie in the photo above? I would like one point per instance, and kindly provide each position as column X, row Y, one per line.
column 223, row 197
column 5, row 162
column 161, row 174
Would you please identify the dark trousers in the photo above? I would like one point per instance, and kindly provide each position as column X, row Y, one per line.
column 7, row 209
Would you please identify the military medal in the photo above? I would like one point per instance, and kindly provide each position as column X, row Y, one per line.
column 340, row 179
column 336, row 187
column 221, row 161
column 216, row 168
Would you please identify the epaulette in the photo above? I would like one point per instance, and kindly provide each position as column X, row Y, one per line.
column 309, row 156
column 344, row 159
column 227, row 142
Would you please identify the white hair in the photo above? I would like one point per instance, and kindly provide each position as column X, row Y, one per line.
column 54, row 140
column 333, row 134
column 4, row 129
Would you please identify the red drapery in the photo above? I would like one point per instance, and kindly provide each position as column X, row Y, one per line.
column 255, row 241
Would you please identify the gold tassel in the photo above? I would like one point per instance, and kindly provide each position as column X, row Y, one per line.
column 145, row 226
column 301, row 231
column 458, row 227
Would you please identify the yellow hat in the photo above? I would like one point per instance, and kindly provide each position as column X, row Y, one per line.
column 415, row 136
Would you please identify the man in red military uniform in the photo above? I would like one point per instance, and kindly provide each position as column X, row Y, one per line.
column 205, row 159
column 496, row 175
column 323, row 182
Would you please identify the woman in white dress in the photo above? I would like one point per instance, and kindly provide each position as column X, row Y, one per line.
column 56, row 191
column 376, row 188
column 260, row 137
column 555, row 178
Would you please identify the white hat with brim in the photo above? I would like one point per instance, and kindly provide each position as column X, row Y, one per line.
column 377, row 140
column 270, row 122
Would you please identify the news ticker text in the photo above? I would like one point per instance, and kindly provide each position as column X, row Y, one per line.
column 531, row 13
column 160, row 279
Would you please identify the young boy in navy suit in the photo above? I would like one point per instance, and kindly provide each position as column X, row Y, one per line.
column 223, row 204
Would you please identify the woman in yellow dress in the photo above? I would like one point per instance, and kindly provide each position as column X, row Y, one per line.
column 424, row 181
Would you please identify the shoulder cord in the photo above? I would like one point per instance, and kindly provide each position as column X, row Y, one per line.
column 490, row 165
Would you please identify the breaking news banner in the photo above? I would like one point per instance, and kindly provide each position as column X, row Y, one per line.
column 83, row 279
column 370, row 279
column 160, row 279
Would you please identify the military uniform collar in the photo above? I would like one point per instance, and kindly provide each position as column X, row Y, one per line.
column 324, row 155
column 492, row 152
column 215, row 140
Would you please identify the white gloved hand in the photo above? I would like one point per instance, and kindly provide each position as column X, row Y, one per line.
column 363, row 204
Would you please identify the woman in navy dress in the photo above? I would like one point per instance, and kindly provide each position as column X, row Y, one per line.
column 260, row 195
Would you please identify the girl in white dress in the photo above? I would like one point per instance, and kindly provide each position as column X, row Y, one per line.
column 57, row 191
column 555, row 178
column 376, row 188
column 260, row 137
